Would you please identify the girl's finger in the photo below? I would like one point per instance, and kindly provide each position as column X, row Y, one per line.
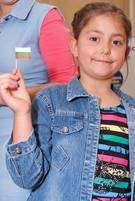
column 14, row 71
column 6, row 96
column 11, row 84
column 8, row 76
column 21, row 79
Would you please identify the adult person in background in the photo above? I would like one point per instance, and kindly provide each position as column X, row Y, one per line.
column 26, row 23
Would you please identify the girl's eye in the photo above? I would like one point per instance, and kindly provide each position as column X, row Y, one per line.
column 117, row 42
column 94, row 39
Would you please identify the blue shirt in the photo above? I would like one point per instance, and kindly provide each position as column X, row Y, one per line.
column 59, row 158
column 20, row 28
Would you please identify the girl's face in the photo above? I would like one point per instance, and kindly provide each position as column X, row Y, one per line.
column 101, row 47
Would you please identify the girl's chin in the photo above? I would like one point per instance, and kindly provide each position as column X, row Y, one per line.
column 103, row 76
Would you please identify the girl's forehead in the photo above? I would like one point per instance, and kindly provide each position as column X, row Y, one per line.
column 105, row 22
column 105, row 18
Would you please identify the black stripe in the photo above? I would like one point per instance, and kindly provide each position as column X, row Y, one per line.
column 116, row 190
column 105, row 164
column 119, row 134
column 99, row 198
column 110, row 112
column 115, row 177
column 112, row 153
column 105, row 142
column 113, row 122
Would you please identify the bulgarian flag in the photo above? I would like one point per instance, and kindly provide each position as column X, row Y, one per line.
column 23, row 53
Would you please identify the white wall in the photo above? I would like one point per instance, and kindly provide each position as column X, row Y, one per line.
column 129, row 86
column 132, row 13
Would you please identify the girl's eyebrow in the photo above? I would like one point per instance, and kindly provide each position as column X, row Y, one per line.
column 119, row 35
column 100, row 32
column 95, row 31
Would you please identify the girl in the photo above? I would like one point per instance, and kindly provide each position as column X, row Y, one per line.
column 78, row 147
column 27, row 23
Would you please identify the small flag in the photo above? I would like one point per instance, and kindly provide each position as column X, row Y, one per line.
column 23, row 52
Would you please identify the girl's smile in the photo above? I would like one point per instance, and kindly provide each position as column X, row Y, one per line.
column 102, row 61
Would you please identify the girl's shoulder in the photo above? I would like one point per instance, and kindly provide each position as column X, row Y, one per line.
column 130, row 100
column 127, row 98
column 57, row 92
column 53, row 89
column 50, row 98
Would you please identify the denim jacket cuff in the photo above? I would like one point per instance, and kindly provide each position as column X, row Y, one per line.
column 22, row 147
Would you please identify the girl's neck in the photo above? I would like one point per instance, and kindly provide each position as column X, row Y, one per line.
column 96, row 86
column 101, row 89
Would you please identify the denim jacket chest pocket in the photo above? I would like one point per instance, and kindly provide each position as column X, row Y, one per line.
column 65, row 127
column 66, row 123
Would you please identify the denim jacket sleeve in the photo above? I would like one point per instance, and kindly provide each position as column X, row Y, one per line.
column 28, row 161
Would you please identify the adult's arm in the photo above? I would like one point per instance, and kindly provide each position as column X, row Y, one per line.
column 54, row 44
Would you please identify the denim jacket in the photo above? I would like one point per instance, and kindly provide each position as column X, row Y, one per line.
column 58, row 160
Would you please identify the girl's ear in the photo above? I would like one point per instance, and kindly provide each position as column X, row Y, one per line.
column 127, row 52
column 73, row 47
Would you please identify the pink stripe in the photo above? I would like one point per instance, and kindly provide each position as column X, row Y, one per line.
column 113, row 159
column 113, row 117
column 110, row 199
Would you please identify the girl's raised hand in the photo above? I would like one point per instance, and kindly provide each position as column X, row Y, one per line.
column 13, row 92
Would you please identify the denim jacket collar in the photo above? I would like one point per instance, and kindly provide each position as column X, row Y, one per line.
column 76, row 90
column 22, row 9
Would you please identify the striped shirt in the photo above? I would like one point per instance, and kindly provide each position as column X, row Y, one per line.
column 112, row 174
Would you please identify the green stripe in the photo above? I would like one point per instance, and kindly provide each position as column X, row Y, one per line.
column 23, row 53
column 113, row 138
column 110, row 183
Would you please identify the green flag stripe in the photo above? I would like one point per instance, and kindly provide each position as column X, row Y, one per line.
column 23, row 53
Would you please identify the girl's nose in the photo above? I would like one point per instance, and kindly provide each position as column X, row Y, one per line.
column 105, row 50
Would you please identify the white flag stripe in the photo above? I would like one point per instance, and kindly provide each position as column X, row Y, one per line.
column 22, row 49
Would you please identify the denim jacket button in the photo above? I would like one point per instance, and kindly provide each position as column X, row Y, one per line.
column 18, row 150
column 65, row 129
